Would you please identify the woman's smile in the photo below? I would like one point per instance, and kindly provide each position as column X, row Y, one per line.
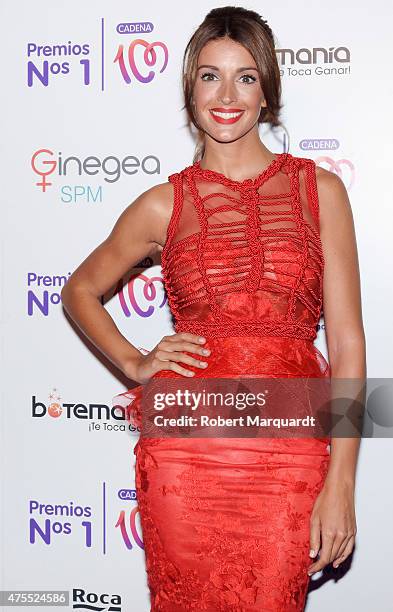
column 223, row 115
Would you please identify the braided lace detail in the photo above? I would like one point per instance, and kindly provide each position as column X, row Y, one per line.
column 256, row 240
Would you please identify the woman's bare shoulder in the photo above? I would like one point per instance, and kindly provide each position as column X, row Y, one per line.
column 334, row 204
column 154, row 206
column 329, row 183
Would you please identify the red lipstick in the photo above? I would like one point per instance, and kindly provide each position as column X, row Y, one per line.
column 229, row 118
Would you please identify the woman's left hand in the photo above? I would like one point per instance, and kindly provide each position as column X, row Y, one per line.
column 333, row 522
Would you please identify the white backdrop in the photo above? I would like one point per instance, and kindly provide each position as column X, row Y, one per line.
column 69, row 514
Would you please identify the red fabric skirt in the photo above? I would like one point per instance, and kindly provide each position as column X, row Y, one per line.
column 226, row 521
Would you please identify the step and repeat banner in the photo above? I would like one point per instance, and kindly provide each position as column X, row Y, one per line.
column 92, row 117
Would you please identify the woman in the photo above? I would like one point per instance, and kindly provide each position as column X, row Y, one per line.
column 254, row 244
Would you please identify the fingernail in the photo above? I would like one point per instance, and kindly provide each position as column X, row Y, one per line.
column 312, row 553
column 202, row 339
column 310, row 573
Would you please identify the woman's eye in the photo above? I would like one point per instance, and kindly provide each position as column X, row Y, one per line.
column 248, row 76
column 209, row 76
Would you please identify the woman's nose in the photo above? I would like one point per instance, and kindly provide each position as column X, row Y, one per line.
column 227, row 93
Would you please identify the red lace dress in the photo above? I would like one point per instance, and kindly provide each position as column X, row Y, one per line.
column 225, row 521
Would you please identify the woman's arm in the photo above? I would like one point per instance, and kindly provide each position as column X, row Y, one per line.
column 334, row 516
column 342, row 308
column 138, row 232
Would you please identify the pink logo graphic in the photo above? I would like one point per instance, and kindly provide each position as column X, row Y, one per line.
column 122, row 524
column 149, row 57
column 342, row 167
column 43, row 167
column 149, row 294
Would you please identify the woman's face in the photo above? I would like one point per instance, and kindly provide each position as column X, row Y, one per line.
column 227, row 93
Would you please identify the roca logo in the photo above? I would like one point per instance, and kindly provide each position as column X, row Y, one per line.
column 82, row 600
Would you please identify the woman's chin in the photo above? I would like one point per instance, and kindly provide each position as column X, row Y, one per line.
column 224, row 133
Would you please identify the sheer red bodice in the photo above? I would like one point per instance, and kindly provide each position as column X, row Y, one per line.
column 245, row 257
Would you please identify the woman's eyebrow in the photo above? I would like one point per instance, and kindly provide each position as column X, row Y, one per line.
column 216, row 67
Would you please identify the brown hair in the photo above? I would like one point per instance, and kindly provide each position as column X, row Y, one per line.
column 253, row 32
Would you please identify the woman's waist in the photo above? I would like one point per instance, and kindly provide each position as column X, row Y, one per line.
column 261, row 356
column 237, row 328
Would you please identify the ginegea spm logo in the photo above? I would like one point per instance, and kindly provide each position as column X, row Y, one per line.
column 47, row 163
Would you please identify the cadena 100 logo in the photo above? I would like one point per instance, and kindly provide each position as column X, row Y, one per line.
column 149, row 57
column 144, row 301
column 142, row 295
column 138, row 61
column 344, row 168
column 52, row 522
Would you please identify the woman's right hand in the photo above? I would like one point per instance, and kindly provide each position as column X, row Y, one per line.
column 167, row 355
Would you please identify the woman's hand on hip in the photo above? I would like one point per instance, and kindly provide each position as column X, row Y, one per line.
column 167, row 355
